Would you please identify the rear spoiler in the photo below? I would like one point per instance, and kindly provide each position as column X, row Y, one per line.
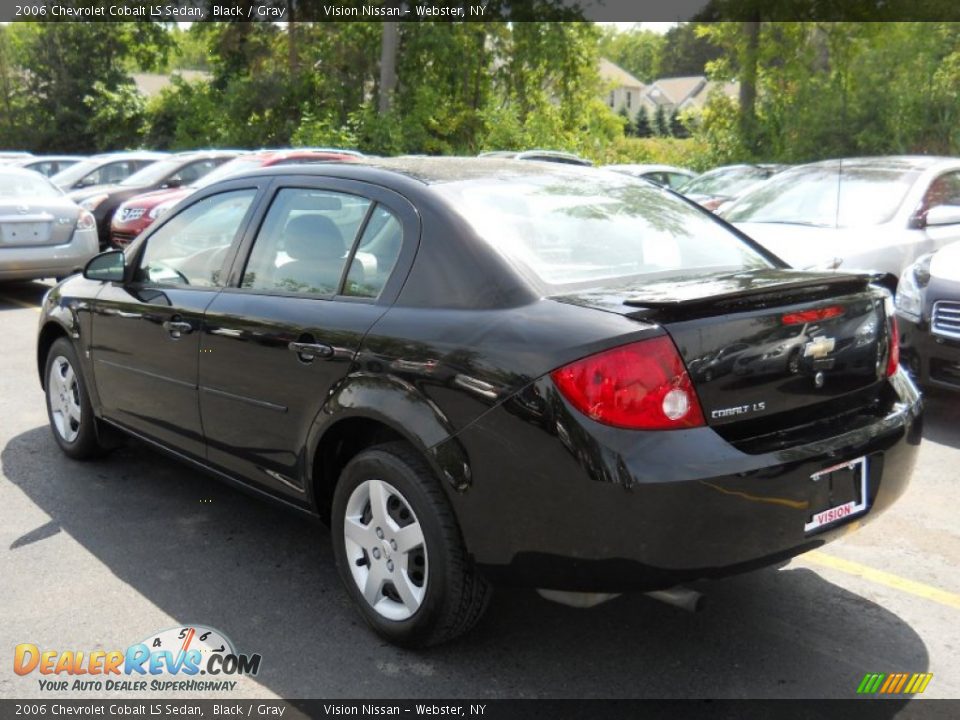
column 697, row 301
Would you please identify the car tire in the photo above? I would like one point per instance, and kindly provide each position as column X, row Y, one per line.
column 382, row 576
column 68, row 404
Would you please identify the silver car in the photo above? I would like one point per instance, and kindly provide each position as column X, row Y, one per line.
column 43, row 233
column 858, row 214
column 662, row 175
column 106, row 169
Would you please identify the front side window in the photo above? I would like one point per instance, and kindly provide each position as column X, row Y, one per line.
column 945, row 190
column 190, row 248
column 305, row 241
column 109, row 174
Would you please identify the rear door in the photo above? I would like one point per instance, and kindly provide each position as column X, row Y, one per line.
column 323, row 267
column 146, row 333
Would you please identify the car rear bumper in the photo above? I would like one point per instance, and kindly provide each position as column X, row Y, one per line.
column 27, row 263
column 605, row 510
column 934, row 361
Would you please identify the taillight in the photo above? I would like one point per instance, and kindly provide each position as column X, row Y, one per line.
column 641, row 386
column 86, row 221
column 893, row 355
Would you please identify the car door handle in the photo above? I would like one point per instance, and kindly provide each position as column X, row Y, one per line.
column 307, row 352
column 176, row 328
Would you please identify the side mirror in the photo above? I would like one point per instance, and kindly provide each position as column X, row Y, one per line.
column 106, row 267
column 943, row 215
column 86, row 182
column 173, row 182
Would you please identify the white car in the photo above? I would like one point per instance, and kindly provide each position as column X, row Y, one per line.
column 877, row 214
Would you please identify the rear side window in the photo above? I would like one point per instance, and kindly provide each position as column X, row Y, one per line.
column 375, row 256
column 590, row 227
column 305, row 241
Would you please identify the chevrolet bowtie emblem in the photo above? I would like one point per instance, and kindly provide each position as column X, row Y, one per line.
column 819, row 347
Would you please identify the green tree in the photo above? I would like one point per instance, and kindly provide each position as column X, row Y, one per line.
column 628, row 127
column 677, row 128
column 661, row 126
column 687, row 51
column 641, row 123
column 636, row 50
column 64, row 64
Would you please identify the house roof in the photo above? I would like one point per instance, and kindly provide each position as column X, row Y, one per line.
column 700, row 98
column 611, row 72
column 674, row 91
column 150, row 84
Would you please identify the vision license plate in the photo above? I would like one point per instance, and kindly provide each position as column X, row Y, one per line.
column 847, row 488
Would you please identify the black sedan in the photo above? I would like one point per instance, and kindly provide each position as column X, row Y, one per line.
column 172, row 172
column 928, row 303
column 476, row 371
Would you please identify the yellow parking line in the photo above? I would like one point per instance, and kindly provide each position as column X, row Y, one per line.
column 20, row 303
column 918, row 589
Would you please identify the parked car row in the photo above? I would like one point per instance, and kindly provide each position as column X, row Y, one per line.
column 870, row 214
column 141, row 185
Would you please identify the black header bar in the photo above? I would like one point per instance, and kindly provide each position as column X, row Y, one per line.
column 475, row 10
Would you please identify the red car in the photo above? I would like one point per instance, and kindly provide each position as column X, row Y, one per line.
column 138, row 213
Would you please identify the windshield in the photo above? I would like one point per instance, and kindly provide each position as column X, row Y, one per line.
column 153, row 173
column 75, row 172
column 588, row 227
column 24, row 184
column 233, row 167
column 824, row 196
column 728, row 181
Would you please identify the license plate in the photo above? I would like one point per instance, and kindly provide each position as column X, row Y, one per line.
column 848, row 480
column 25, row 232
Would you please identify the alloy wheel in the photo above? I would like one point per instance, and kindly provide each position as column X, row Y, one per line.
column 63, row 392
column 385, row 550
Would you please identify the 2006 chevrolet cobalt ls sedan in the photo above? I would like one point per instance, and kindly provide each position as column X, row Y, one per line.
column 482, row 372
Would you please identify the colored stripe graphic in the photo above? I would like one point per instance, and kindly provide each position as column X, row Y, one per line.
column 894, row 683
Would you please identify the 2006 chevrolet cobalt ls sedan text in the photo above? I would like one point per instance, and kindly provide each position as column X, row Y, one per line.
column 482, row 372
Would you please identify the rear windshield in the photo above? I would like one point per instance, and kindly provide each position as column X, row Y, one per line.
column 26, row 185
column 231, row 167
column 76, row 171
column 585, row 227
column 728, row 182
column 824, row 196
column 154, row 172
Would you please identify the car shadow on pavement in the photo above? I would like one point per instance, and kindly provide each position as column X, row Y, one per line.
column 205, row 553
column 941, row 418
column 16, row 294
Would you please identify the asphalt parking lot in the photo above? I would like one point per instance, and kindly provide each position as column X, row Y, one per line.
column 102, row 554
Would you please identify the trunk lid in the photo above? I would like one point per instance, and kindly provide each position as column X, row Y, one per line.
column 766, row 349
column 31, row 224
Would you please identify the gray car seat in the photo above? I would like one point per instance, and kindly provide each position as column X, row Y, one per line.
column 316, row 246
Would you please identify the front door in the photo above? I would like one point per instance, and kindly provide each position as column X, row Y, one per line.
column 275, row 346
column 146, row 333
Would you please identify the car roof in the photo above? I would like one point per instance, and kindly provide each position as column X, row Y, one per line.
column 131, row 154
column 428, row 170
column 41, row 158
column 647, row 168
column 888, row 162
column 17, row 170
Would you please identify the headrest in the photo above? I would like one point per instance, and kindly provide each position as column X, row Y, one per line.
column 313, row 237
